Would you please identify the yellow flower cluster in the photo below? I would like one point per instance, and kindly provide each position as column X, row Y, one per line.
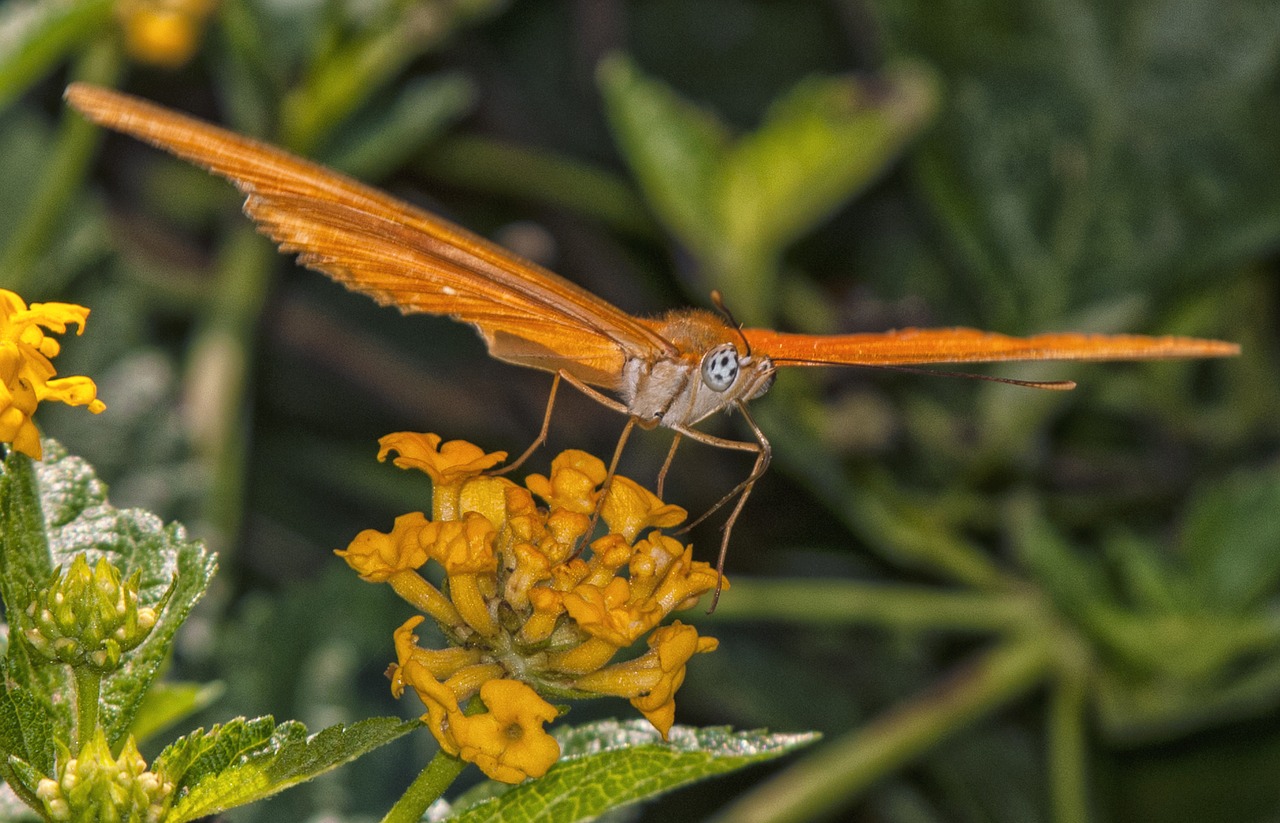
column 27, row 376
column 525, row 613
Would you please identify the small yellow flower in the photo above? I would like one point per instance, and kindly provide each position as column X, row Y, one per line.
column 26, row 372
column 651, row 681
column 164, row 33
column 395, row 557
column 508, row 742
column 448, row 464
column 630, row 508
column 610, row 614
column 377, row 557
column 528, row 614
column 575, row 476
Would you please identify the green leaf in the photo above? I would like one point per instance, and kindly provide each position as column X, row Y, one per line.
column 35, row 36
column 24, row 779
column 1088, row 150
column 1231, row 538
column 1078, row 587
column 24, row 727
column 26, row 737
column 167, row 703
column 55, row 509
column 373, row 146
column 25, row 564
column 674, row 148
column 818, row 146
column 246, row 760
column 610, row 764
column 736, row 204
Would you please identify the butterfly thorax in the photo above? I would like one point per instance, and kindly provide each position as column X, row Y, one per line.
column 709, row 371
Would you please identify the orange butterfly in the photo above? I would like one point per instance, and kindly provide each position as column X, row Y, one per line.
column 675, row 370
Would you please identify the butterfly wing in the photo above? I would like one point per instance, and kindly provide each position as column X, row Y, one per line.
column 917, row 347
column 396, row 253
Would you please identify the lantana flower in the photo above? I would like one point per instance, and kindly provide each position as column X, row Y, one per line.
column 27, row 375
column 528, row 616
column 163, row 33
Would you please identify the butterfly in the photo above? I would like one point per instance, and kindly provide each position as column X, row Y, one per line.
column 675, row 370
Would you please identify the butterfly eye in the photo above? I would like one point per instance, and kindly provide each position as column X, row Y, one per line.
column 720, row 367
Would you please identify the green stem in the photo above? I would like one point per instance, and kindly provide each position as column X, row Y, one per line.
column 218, row 370
column 903, row 532
column 823, row 784
column 88, row 689
column 911, row 608
column 62, row 176
column 1068, row 755
column 426, row 788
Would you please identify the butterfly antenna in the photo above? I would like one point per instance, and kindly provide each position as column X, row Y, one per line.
column 1051, row 385
column 717, row 300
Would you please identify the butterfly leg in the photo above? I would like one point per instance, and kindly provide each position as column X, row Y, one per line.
column 542, row 435
column 764, row 453
column 666, row 465
column 607, row 485
column 632, row 421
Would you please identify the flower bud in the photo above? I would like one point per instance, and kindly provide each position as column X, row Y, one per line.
column 88, row 617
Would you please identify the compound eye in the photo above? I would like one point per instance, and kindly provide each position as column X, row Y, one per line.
column 720, row 367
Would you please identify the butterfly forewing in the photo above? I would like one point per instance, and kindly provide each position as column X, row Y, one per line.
column 400, row 255
column 916, row 347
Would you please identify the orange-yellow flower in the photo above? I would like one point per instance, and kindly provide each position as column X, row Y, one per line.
column 527, row 610
column 651, row 680
column 376, row 556
column 508, row 742
column 630, row 508
column 448, row 464
column 164, row 33
column 610, row 614
column 572, row 486
column 27, row 375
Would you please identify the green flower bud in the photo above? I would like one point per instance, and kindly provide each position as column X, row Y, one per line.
column 88, row 617
column 98, row 787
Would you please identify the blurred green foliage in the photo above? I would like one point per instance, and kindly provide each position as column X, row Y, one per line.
column 998, row 604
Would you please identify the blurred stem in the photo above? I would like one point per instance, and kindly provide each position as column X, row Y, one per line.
column 1142, row 722
column 821, row 785
column 218, row 370
column 905, row 532
column 63, row 175
column 427, row 787
column 825, row 602
column 493, row 166
column 915, row 534
column 1067, row 755
column 88, row 690
column 26, row 62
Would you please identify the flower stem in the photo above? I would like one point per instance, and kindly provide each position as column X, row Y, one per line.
column 88, row 688
column 906, row 608
column 1068, row 750
column 426, row 788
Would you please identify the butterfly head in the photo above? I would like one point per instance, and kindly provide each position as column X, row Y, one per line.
column 743, row 375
